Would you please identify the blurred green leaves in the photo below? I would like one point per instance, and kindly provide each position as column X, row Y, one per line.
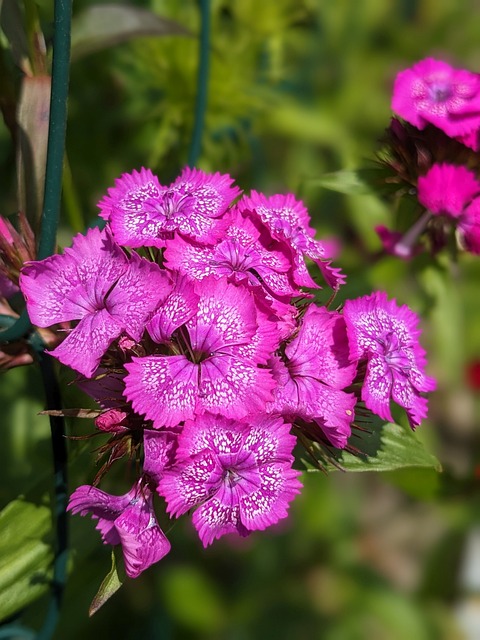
column 103, row 26
column 25, row 554
column 192, row 598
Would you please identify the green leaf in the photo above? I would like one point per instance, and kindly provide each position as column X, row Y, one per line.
column 103, row 26
column 25, row 557
column 383, row 448
column 111, row 584
column 349, row 182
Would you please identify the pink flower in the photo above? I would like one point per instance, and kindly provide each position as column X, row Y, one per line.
column 159, row 447
column 386, row 336
column 128, row 520
column 240, row 255
column 238, row 474
column 221, row 347
column 93, row 282
column 315, row 370
column 433, row 92
column 447, row 189
column 142, row 212
column 392, row 243
column 288, row 222
column 454, row 191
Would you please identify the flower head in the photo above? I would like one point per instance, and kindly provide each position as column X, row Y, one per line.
column 386, row 336
column 447, row 189
column 93, row 282
column 288, row 221
column 315, row 370
column 241, row 255
column 128, row 520
column 434, row 92
column 142, row 212
column 220, row 347
column 238, row 474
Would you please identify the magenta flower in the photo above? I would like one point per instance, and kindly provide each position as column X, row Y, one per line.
column 447, row 189
column 288, row 221
column 179, row 307
column 112, row 421
column 128, row 520
column 93, row 282
column 159, row 447
column 392, row 242
column 433, row 92
column 315, row 370
column 454, row 191
column 386, row 336
column 222, row 350
column 240, row 256
column 142, row 212
column 238, row 474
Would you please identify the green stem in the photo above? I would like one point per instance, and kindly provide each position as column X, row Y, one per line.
column 57, row 128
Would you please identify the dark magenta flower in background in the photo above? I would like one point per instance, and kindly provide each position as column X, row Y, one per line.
column 433, row 92
column 469, row 227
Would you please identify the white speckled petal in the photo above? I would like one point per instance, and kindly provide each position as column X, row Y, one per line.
column 163, row 389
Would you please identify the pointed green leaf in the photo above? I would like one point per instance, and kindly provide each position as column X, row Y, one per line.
column 383, row 448
column 111, row 584
column 341, row 181
column 25, row 556
column 103, row 26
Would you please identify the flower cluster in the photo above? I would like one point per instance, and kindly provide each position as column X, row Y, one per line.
column 190, row 319
column 434, row 153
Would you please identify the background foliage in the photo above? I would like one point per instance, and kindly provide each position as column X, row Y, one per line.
column 298, row 91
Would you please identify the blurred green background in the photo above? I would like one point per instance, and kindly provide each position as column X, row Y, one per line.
column 298, row 90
